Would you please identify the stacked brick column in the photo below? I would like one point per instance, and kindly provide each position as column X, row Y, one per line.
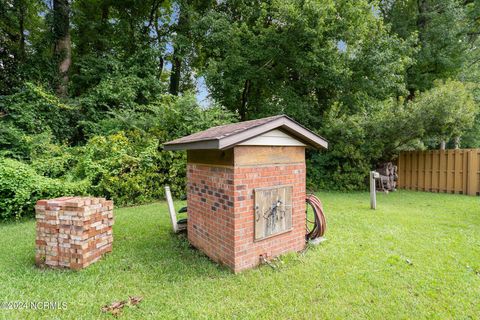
column 73, row 232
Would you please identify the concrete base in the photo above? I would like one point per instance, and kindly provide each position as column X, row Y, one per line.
column 317, row 241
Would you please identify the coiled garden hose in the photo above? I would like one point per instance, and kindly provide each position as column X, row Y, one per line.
column 319, row 223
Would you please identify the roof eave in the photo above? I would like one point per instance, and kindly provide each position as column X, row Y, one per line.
column 292, row 127
column 197, row 145
column 285, row 123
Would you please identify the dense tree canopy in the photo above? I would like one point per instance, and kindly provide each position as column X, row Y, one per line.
column 373, row 76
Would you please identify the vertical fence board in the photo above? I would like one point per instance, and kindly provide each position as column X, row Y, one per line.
column 421, row 170
column 401, row 170
column 473, row 168
column 435, row 172
column 457, row 172
column 428, row 171
column 451, row 171
column 414, row 170
column 478, row 170
column 408, row 170
column 464, row 171
column 442, row 171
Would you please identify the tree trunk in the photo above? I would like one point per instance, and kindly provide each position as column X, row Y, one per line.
column 457, row 142
column 175, row 74
column 62, row 46
column 442, row 145
column 102, row 33
column 161, row 60
column 21, row 29
column 181, row 29
column 422, row 8
column 160, row 66
column 243, row 106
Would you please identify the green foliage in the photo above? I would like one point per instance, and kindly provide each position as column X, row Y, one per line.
column 299, row 57
column 471, row 138
column 21, row 187
column 122, row 160
column 25, row 46
column 341, row 68
column 126, row 167
column 444, row 32
column 447, row 110
column 168, row 118
column 31, row 117
column 129, row 165
column 359, row 142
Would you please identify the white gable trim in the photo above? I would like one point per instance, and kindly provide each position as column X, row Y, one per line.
column 224, row 142
column 273, row 138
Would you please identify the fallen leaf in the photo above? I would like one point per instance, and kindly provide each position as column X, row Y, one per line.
column 115, row 308
column 135, row 300
column 116, row 312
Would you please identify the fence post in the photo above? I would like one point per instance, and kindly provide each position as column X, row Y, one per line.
column 373, row 190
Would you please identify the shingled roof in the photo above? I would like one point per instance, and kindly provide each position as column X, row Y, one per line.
column 227, row 136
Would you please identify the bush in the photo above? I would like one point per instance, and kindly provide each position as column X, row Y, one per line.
column 345, row 165
column 122, row 159
column 21, row 187
column 167, row 118
column 360, row 141
column 129, row 168
column 129, row 165
column 31, row 117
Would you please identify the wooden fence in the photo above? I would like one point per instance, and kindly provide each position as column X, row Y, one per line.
column 451, row 171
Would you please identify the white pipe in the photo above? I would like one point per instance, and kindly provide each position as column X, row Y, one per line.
column 171, row 209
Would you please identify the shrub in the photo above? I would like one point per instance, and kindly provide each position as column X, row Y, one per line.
column 31, row 117
column 21, row 187
column 122, row 158
column 128, row 167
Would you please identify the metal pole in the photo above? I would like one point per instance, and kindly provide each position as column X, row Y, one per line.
column 373, row 191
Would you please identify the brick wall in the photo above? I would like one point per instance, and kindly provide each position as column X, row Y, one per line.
column 210, row 196
column 221, row 203
column 248, row 251
column 73, row 232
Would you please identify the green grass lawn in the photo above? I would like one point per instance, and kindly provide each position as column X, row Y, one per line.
column 416, row 256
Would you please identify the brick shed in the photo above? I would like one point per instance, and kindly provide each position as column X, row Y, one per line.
column 246, row 189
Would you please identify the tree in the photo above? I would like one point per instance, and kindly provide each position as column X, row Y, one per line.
column 447, row 110
column 264, row 58
column 21, row 50
column 179, row 43
column 441, row 27
column 184, row 56
column 62, row 43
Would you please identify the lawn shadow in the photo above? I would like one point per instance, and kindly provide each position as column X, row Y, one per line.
column 167, row 254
